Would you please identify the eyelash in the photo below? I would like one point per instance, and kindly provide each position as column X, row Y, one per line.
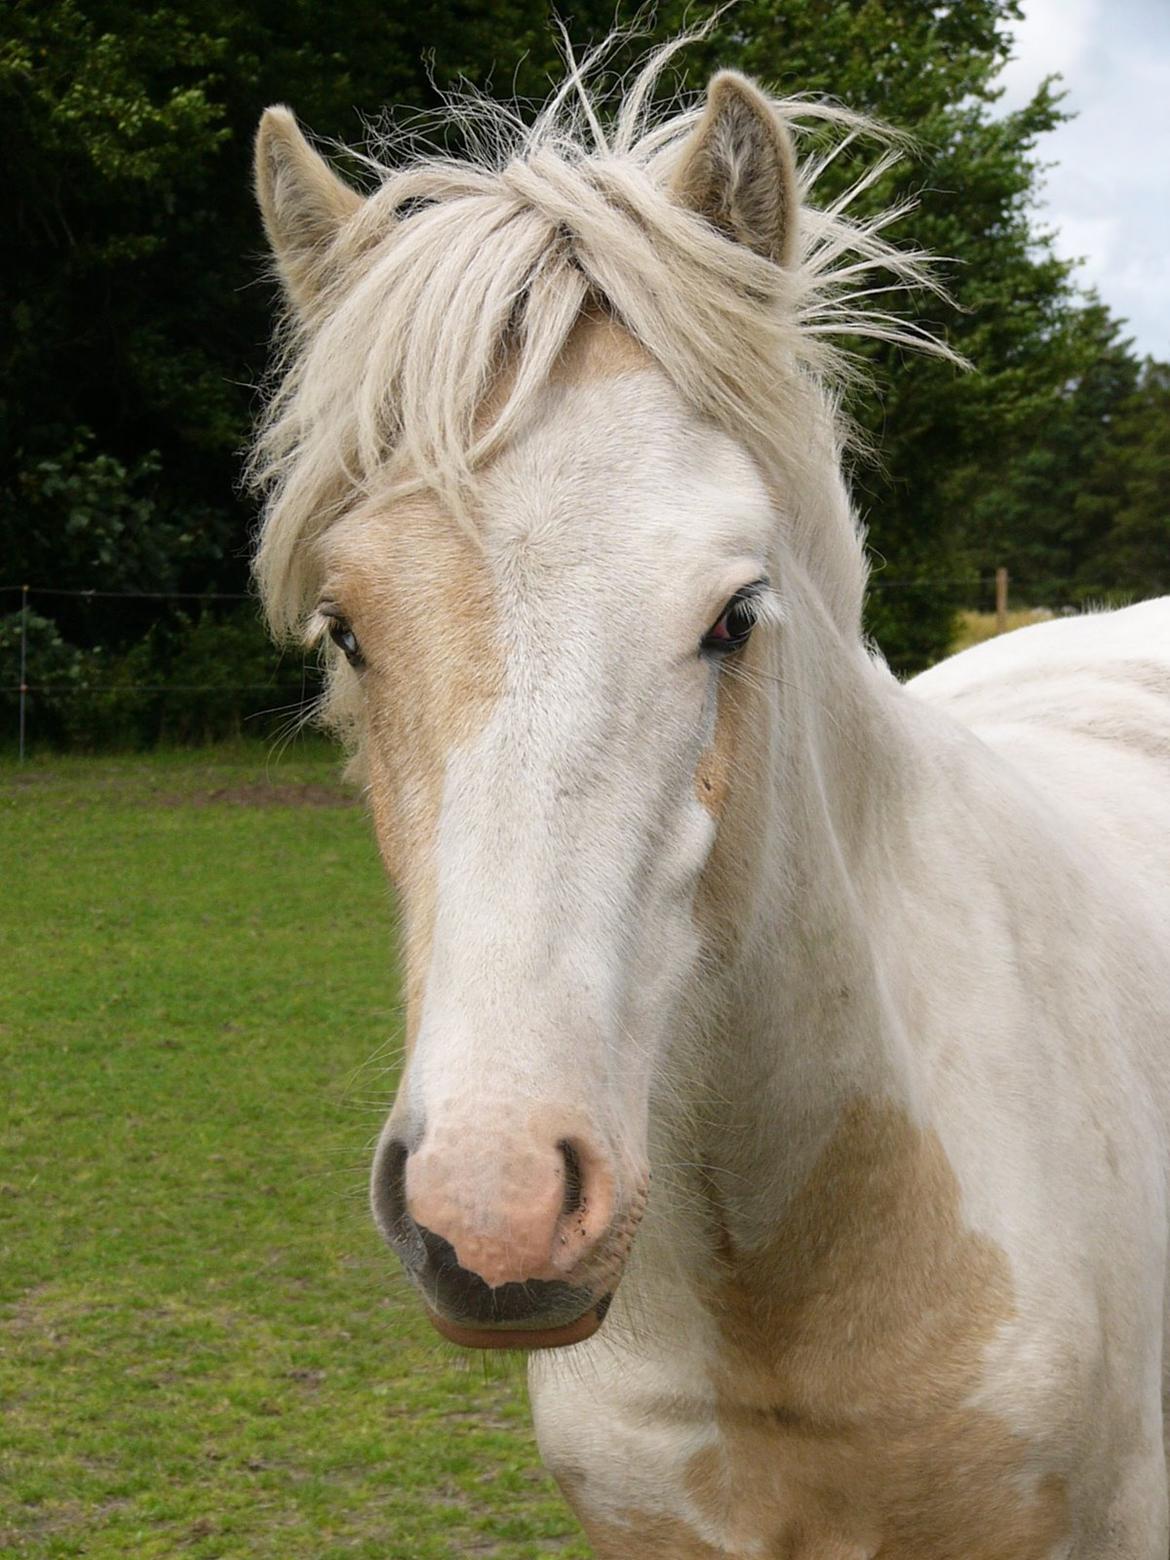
column 745, row 603
column 343, row 636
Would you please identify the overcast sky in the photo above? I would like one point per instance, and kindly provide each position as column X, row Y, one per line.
column 1108, row 198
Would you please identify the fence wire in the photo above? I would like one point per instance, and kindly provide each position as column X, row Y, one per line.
column 976, row 592
column 70, row 629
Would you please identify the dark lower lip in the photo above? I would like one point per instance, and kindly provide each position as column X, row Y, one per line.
column 522, row 1337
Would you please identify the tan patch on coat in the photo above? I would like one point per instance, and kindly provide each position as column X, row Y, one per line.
column 666, row 1538
column 415, row 587
column 731, row 783
column 853, row 1345
column 713, row 781
column 648, row 1538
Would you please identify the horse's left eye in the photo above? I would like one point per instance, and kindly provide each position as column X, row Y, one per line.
column 346, row 641
column 734, row 625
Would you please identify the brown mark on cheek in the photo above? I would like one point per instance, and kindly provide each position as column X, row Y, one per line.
column 731, row 785
column 712, row 781
column 416, row 589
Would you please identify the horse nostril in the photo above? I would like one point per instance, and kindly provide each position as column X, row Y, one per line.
column 573, row 1180
column 394, row 1183
column 390, row 1205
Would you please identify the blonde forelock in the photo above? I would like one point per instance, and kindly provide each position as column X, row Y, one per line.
column 454, row 270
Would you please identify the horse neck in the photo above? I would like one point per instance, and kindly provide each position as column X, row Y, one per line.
column 804, row 1024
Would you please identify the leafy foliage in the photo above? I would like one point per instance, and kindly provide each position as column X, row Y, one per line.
column 186, row 679
column 1123, row 506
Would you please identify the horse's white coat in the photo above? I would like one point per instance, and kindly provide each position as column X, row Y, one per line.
column 599, row 729
column 873, row 977
column 985, row 855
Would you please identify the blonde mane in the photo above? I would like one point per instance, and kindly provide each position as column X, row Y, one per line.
column 455, row 268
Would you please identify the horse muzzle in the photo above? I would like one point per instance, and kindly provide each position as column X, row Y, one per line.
column 519, row 1250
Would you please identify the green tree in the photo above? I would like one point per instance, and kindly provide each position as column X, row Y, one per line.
column 141, row 320
column 1021, row 509
column 114, row 134
column 1123, row 508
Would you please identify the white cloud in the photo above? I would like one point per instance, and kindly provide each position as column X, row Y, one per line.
column 1054, row 35
column 1108, row 195
column 1095, row 240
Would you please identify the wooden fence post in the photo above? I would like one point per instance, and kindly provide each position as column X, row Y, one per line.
column 1001, row 598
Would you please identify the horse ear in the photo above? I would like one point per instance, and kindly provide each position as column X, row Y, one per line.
column 738, row 169
column 304, row 205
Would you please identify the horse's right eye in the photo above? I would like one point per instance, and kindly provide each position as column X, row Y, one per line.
column 733, row 627
column 346, row 641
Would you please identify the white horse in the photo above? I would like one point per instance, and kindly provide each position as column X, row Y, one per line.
column 871, row 979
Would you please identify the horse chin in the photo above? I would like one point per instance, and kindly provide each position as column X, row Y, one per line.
column 562, row 1337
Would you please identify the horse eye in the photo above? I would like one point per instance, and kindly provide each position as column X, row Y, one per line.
column 734, row 625
column 346, row 641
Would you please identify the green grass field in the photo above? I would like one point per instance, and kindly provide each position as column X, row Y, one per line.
column 204, row 1349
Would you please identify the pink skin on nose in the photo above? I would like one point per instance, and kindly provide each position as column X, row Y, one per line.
column 501, row 1203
